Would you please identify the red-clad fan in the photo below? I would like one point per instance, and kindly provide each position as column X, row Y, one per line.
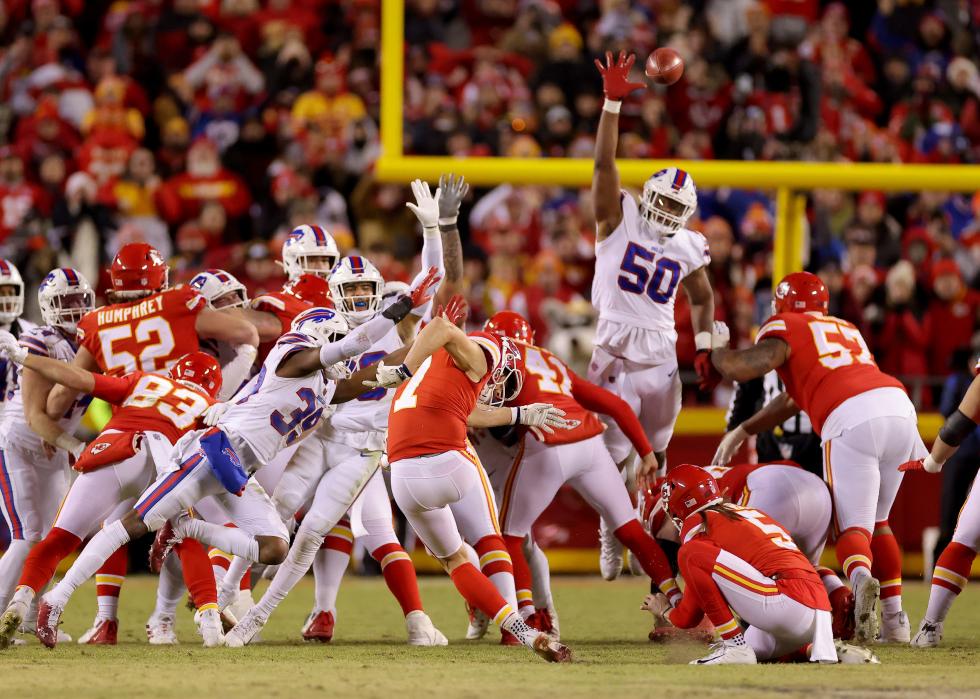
column 868, row 427
column 738, row 560
column 576, row 456
column 153, row 412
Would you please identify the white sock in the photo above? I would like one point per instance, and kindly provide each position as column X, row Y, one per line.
column 515, row 625
column 231, row 539
column 940, row 600
column 891, row 605
column 108, row 607
column 237, row 569
column 23, row 594
column 859, row 573
column 170, row 589
column 540, row 574
column 95, row 553
column 504, row 582
column 329, row 567
column 11, row 565
column 291, row 571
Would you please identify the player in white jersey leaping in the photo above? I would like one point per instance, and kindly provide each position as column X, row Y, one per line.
column 643, row 254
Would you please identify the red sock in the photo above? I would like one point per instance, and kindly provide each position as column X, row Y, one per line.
column 854, row 551
column 697, row 561
column 396, row 566
column 493, row 555
column 522, row 572
column 886, row 560
column 109, row 578
column 44, row 558
column 650, row 556
column 477, row 589
column 952, row 570
column 198, row 576
column 340, row 538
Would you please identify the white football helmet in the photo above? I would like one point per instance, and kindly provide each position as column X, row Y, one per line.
column 325, row 326
column 506, row 379
column 309, row 249
column 355, row 269
column 11, row 307
column 668, row 200
column 217, row 284
column 64, row 297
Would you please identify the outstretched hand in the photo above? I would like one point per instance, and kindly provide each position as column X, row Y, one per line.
column 452, row 189
column 426, row 208
column 454, row 311
column 422, row 292
column 616, row 75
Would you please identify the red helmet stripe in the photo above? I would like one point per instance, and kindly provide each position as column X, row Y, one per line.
column 70, row 275
column 680, row 177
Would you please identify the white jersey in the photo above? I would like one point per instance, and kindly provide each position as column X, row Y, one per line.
column 635, row 285
column 15, row 433
column 273, row 412
column 363, row 422
column 9, row 373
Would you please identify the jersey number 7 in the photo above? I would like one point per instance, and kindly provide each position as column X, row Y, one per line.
column 660, row 286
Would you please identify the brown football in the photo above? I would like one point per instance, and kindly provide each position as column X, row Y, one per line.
column 665, row 66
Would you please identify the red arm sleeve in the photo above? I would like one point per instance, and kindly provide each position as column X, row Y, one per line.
column 687, row 614
column 599, row 400
column 113, row 389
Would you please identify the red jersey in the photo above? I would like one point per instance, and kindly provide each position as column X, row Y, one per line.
column 761, row 542
column 429, row 411
column 829, row 362
column 283, row 306
column 147, row 334
column 547, row 379
column 152, row 403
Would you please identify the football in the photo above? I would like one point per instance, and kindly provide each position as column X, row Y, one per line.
column 665, row 66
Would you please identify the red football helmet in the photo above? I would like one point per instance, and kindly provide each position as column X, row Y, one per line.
column 512, row 325
column 650, row 507
column 137, row 270
column 200, row 369
column 688, row 489
column 800, row 292
column 311, row 288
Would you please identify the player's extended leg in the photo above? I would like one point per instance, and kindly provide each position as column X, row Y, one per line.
column 544, row 604
column 424, row 488
column 20, row 493
column 329, row 566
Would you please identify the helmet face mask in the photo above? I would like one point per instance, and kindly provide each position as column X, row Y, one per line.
column 65, row 296
column 356, row 288
column 668, row 200
column 11, row 293
column 309, row 249
column 506, row 379
column 221, row 289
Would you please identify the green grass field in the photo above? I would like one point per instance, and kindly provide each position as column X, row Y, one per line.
column 368, row 658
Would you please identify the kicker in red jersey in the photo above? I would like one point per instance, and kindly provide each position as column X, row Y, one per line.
column 148, row 334
column 429, row 411
column 829, row 362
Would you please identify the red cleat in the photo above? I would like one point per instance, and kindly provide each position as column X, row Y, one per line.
column 319, row 627
column 48, row 619
column 163, row 543
column 842, row 609
column 543, row 620
column 106, row 632
column 509, row 639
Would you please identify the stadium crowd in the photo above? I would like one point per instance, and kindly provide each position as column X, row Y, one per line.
column 210, row 128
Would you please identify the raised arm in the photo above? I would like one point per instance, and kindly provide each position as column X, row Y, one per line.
column 453, row 189
column 697, row 286
column 605, row 177
column 751, row 363
column 439, row 333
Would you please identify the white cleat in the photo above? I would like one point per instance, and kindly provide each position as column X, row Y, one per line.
column 479, row 623
column 895, row 628
column 867, row 592
column 849, row 654
column 10, row 622
column 422, row 632
column 929, row 635
column 610, row 552
column 209, row 624
column 160, row 631
column 242, row 604
column 636, row 569
column 726, row 653
column 245, row 630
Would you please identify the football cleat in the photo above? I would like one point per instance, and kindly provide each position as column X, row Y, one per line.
column 479, row 623
column 509, row 639
column 895, row 628
column 319, row 626
column 664, row 632
column 422, row 632
column 243, row 602
column 10, row 622
column 842, row 609
column 245, row 630
column 551, row 650
column 104, row 632
column 929, row 635
column 209, row 624
column 849, row 654
column 610, row 552
column 48, row 620
column 163, row 543
column 867, row 592
column 160, row 631
column 728, row 653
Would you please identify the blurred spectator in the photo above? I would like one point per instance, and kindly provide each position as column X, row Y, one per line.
column 900, row 340
column 951, row 318
column 181, row 196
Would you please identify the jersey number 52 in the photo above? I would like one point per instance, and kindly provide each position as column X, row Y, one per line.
column 637, row 279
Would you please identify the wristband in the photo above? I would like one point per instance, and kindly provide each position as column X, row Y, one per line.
column 430, row 230
column 404, row 372
column 515, row 416
column 448, row 221
column 702, row 340
column 930, row 465
column 68, row 443
column 612, row 106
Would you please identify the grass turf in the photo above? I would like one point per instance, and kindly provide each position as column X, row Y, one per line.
column 368, row 658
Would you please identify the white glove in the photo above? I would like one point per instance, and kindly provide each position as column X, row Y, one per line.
column 542, row 415
column 720, row 335
column 427, row 208
column 389, row 376
column 214, row 413
column 11, row 348
column 730, row 444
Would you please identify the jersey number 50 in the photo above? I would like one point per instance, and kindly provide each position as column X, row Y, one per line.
column 660, row 286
